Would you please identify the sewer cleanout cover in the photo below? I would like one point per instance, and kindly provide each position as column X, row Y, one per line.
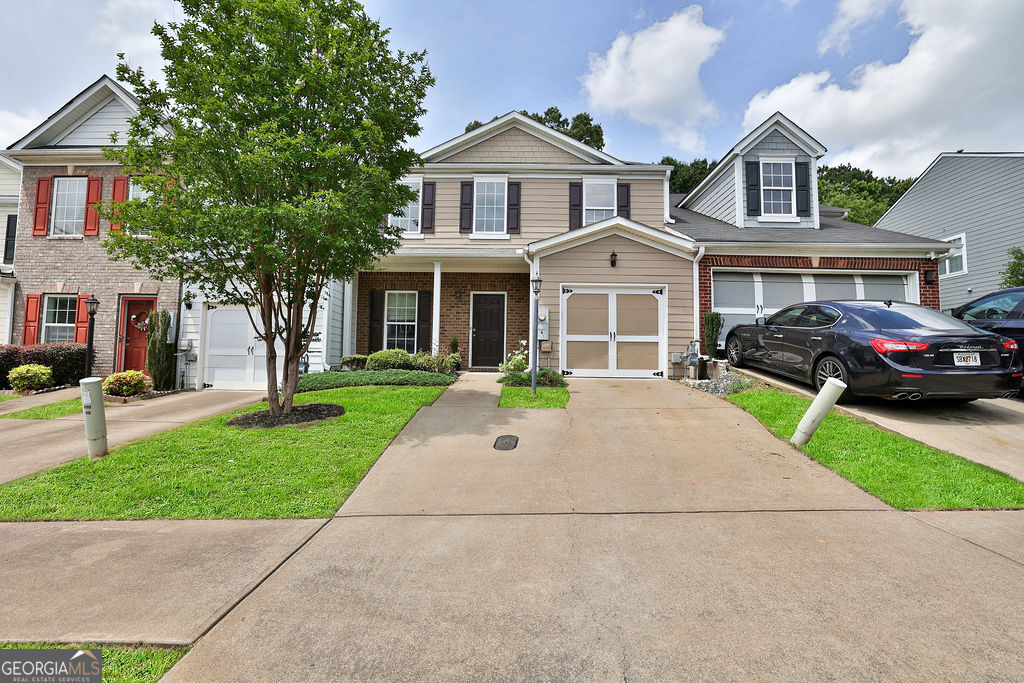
column 506, row 442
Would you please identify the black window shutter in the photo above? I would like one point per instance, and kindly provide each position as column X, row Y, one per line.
column 753, row 188
column 575, row 205
column 12, row 228
column 424, row 307
column 512, row 222
column 466, row 207
column 376, row 320
column 427, row 208
column 802, row 175
column 622, row 203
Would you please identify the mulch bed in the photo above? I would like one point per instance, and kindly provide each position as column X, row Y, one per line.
column 307, row 412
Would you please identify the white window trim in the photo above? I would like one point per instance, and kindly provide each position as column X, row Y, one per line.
column 963, row 257
column 600, row 180
column 46, row 304
column 415, row 322
column 418, row 234
column 474, row 233
column 777, row 217
column 53, row 207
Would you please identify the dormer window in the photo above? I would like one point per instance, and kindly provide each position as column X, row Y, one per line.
column 409, row 219
column 598, row 200
column 777, row 187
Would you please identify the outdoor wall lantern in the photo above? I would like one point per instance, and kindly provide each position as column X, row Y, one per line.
column 930, row 277
column 92, row 304
column 613, row 258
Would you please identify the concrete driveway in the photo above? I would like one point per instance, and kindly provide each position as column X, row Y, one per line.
column 647, row 532
column 989, row 431
column 27, row 446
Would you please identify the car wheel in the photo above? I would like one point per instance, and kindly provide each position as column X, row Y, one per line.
column 831, row 367
column 734, row 352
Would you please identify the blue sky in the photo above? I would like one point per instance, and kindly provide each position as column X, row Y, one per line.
column 884, row 84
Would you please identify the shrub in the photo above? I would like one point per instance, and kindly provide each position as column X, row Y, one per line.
column 454, row 346
column 449, row 363
column 389, row 359
column 712, row 331
column 66, row 360
column 315, row 381
column 354, row 362
column 127, row 383
column 160, row 358
column 516, row 361
column 546, row 377
column 30, row 376
column 10, row 355
column 423, row 361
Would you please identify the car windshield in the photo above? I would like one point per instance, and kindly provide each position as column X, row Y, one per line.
column 910, row 318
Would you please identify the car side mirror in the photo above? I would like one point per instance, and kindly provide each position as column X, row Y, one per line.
column 760, row 320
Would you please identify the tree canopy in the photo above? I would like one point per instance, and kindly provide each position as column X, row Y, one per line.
column 271, row 155
column 686, row 176
column 1013, row 275
column 581, row 127
column 866, row 195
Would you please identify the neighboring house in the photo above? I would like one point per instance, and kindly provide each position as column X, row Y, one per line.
column 973, row 201
column 10, row 188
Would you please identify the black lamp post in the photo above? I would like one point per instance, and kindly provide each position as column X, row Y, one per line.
column 536, row 284
column 92, row 304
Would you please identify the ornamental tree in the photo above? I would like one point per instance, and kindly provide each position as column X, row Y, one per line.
column 271, row 155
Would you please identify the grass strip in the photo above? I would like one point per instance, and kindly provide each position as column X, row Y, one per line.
column 49, row 411
column 902, row 472
column 136, row 663
column 520, row 397
column 208, row 470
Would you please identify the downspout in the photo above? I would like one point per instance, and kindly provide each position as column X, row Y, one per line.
column 696, row 292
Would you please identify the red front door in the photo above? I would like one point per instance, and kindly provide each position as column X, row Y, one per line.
column 133, row 334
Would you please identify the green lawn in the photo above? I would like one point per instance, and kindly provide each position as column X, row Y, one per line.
column 902, row 472
column 49, row 411
column 121, row 662
column 208, row 470
column 8, row 397
column 520, row 397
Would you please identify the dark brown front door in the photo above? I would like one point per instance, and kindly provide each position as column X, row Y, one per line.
column 133, row 337
column 488, row 335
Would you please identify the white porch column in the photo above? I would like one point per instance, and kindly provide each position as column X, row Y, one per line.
column 348, row 320
column 435, row 323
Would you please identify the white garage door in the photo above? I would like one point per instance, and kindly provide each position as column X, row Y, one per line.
column 743, row 296
column 234, row 358
column 613, row 331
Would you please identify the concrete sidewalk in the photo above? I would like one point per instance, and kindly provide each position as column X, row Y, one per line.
column 27, row 446
column 648, row 531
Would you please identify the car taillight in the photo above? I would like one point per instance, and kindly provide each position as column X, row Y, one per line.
column 891, row 345
column 1010, row 345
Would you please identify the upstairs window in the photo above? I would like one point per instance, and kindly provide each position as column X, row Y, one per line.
column 67, row 216
column 598, row 200
column 489, row 206
column 136, row 191
column 59, row 317
column 409, row 219
column 777, row 188
column 400, row 320
column 956, row 264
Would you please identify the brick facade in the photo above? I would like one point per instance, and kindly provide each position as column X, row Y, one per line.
column 929, row 292
column 80, row 265
column 455, row 291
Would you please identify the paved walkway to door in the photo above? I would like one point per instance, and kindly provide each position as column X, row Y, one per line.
column 646, row 532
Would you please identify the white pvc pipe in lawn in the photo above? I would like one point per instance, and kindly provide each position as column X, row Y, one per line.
column 820, row 407
column 95, row 416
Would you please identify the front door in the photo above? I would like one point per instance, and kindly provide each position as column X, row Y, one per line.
column 488, row 330
column 133, row 332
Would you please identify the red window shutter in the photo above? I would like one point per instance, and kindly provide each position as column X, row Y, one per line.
column 92, row 198
column 30, row 330
column 120, row 194
column 42, row 213
column 81, row 321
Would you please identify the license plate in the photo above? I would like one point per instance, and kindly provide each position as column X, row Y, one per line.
column 963, row 358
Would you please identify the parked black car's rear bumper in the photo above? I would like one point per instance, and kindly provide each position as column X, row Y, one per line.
column 938, row 384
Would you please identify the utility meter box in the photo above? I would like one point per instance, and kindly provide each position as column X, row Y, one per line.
column 542, row 323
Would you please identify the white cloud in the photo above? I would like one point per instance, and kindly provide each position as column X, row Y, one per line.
column 14, row 125
column 957, row 87
column 125, row 26
column 850, row 14
column 653, row 77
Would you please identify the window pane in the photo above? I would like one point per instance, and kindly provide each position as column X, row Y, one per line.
column 59, row 319
column 777, row 201
column 68, row 206
column 998, row 307
column 595, row 215
column 409, row 220
column 401, row 307
column 600, row 195
column 490, row 206
column 401, row 336
column 786, row 318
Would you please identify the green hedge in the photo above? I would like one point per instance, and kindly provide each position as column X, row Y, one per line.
column 65, row 359
column 389, row 359
column 545, row 378
column 360, row 378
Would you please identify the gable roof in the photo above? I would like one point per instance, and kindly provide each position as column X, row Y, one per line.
column 514, row 119
column 672, row 243
column 99, row 95
column 777, row 121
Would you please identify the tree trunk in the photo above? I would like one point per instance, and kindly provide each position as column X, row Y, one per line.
column 272, row 395
column 290, row 383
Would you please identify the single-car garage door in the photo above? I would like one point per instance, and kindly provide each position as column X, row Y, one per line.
column 742, row 296
column 613, row 331
column 234, row 358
